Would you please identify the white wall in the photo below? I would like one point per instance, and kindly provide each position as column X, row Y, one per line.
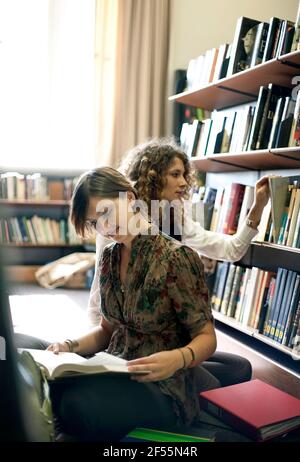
column 197, row 25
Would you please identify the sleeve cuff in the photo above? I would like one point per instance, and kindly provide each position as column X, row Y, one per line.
column 246, row 234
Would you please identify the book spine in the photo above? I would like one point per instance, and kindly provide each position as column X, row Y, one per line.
column 262, row 97
column 230, row 419
column 274, row 23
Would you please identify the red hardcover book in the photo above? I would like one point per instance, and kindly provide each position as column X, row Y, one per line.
column 233, row 208
column 254, row 408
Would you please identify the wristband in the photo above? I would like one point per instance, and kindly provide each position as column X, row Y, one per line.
column 184, row 363
column 72, row 344
column 192, row 353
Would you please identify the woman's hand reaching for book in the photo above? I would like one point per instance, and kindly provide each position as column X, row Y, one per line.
column 262, row 192
column 58, row 347
column 261, row 197
column 161, row 365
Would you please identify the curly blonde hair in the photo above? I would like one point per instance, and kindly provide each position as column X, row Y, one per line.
column 146, row 165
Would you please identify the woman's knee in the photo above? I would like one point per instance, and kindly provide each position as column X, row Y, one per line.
column 205, row 380
column 245, row 369
column 27, row 341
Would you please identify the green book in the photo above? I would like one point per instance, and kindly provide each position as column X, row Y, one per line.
column 148, row 434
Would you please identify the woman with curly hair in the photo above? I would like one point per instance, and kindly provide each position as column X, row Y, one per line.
column 160, row 170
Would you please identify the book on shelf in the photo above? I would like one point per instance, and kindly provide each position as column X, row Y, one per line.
column 219, row 62
column 35, row 187
column 295, row 128
column 273, row 121
column 259, row 44
column 286, row 123
column 296, row 38
column 242, row 46
column 70, row 364
column 271, row 37
column 279, row 189
column 258, row 299
column 254, row 408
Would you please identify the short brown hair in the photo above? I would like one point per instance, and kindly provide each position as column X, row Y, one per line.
column 146, row 164
column 102, row 182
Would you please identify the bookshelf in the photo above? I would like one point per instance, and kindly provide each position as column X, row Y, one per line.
column 244, row 86
column 250, row 332
column 266, row 159
column 246, row 167
column 35, row 203
column 52, row 240
column 263, row 255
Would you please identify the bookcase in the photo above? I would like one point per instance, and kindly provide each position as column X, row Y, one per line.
column 34, row 225
column 248, row 166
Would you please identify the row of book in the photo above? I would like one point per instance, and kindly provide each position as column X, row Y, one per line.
column 226, row 208
column 262, row 300
column 254, row 42
column 37, row 230
column 273, row 121
column 285, row 195
column 17, row 186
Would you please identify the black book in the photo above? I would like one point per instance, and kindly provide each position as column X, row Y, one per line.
column 225, row 64
column 276, row 122
column 274, row 92
column 284, row 130
column 262, row 97
column 277, row 39
column 259, row 44
column 286, row 38
column 178, row 109
column 219, row 138
column 242, row 46
column 208, row 203
column 274, row 24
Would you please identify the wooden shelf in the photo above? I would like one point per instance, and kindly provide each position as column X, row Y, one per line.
column 36, row 254
column 244, row 86
column 55, row 203
column 253, row 333
column 249, row 160
column 270, row 257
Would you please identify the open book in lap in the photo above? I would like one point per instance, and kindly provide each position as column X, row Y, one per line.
column 68, row 364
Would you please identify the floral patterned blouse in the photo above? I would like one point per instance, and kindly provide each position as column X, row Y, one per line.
column 163, row 305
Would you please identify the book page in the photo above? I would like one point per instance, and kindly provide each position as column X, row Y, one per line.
column 104, row 359
column 64, row 364
column 50, row 360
